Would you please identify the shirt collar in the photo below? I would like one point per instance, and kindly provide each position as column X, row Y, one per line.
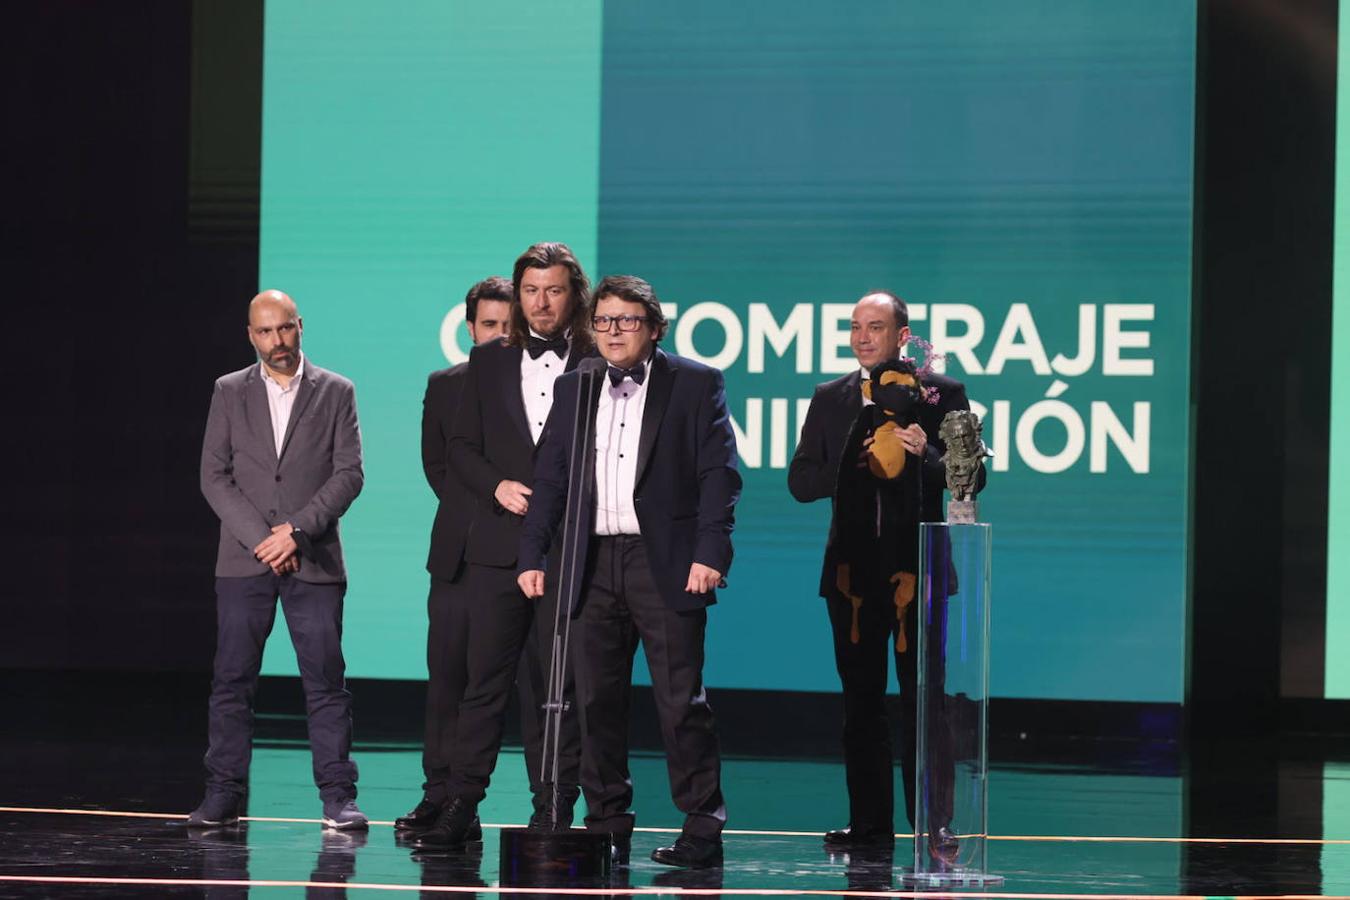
column 866, row 377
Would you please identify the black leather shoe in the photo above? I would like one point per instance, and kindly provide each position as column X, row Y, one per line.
column 456, row 826
column 690, row 852
column 620, row 848
column 422, row 817
column 542, row 817
column 869, row 868
column 943, row 845
column 849, row 838
column 216, row 809
column 702, row 880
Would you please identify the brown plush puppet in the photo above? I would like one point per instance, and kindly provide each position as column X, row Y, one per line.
column 877, row 502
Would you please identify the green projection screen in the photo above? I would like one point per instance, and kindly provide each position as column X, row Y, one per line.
column 1338, row 488
column 1020, row 172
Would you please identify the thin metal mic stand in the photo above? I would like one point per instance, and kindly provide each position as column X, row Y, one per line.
column 580, row 471
column 566, row 856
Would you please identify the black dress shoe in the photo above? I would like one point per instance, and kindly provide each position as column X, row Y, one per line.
column 869, row 868
column 456, row 826
column 703, row 880
column 542, row 817
column 943, row 845
column 849, row 838
column 690, row 852
column 216, row 809
column 621, row 847
column 423, row 816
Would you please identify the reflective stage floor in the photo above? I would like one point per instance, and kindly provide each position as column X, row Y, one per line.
column 106, row 820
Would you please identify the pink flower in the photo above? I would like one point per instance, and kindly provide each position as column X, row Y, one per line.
column 930, row 356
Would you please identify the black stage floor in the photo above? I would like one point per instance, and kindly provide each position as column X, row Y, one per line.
column 104, row 819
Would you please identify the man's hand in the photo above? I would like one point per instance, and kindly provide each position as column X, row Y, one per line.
column 702, row 579
column 865, row 454
column 513, row 496
column 277, row 547
column 288, row 566
column 531, row 583
column 914, row 438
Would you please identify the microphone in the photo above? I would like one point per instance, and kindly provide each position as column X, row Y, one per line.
column 591, row 365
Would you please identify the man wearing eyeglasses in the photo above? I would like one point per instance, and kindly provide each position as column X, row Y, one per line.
column 505, row 401
column 657, row 519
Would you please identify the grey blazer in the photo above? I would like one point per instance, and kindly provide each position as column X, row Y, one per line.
column 316, row 478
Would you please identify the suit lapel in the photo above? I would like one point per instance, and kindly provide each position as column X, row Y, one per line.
column 593, row 386
column 574, row 358
column 515, row 397
column 304, row 393
column 661, row 381
column 257, row 411
column 851, row 397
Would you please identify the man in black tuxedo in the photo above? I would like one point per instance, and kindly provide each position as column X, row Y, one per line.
column 654, row 517
column 487, row 313
column 505, row 401
column 880, row 328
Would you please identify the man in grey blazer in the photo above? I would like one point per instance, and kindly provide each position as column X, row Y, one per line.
column 281, row 462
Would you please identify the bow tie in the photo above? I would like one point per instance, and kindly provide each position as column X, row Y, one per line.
column 537, row 346
column 617, row 375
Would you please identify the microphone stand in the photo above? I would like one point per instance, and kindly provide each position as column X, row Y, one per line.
column 562, row 856
column 580, row 473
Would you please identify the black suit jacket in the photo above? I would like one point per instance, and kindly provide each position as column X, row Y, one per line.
column 455, row 504
column 815, row 466
column 687, row 483
column 490, row 441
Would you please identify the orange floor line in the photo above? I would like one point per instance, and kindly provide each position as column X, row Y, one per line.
column 1044, row 838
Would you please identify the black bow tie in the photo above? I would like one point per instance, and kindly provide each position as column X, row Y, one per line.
column 537, row 346
column 617, row 375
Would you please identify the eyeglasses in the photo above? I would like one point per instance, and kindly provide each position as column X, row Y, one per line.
column 625, row 323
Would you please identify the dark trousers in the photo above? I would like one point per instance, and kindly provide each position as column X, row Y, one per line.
column 499, row 629
column 868, row 760
column 447, row 673
column 620, row 607
column 245, row 611
column 532, row 682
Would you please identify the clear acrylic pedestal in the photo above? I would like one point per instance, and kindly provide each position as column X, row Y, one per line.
column 951, row 804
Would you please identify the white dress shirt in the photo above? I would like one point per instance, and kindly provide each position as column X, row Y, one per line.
column 536, row 385
column 866, row 377
column 618, row 429
column 280, row 400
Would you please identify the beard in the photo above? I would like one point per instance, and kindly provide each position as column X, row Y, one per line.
column 283, row 360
